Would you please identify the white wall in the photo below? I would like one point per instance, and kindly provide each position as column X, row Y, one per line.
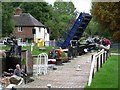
column 41, row 33
column 47, row 36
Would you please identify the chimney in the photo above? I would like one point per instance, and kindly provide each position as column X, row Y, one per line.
column 18, row 11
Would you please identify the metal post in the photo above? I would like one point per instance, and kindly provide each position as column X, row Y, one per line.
column 100, row 61
column 91, row 58
column 32, row 47
column 97, row 64
column 104, row 57
column 93, row 73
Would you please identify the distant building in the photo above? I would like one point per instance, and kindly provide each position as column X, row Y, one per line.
column 28, row 28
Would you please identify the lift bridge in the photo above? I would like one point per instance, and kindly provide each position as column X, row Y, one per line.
column 78, row 27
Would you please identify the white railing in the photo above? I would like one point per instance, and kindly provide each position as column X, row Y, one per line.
column 42, row 63
column 97, row 61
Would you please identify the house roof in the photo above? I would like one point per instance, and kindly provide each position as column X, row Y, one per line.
column 26, row 19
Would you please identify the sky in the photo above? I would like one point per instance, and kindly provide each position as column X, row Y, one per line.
column 80, row 5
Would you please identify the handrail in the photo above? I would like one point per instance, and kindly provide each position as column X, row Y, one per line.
column 100, row 57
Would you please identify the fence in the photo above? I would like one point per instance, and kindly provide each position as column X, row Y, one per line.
column 50, row 43
column 115, row 45
column 98, row 60
column 47, row 43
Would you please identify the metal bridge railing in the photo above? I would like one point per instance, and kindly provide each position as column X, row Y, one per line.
column 42, row 64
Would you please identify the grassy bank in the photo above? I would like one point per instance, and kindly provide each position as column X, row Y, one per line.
column 35, row 51
column 107, row 76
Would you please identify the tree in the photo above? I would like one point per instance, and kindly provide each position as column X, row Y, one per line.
column 55, row 18
column 7, row 21
column 92, row 28
column 64, row 7
column 43, row 12
column 63, row 12
column 39, row 10
column 108, row 16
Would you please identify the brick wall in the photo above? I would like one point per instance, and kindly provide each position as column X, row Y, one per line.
column 29, row 61
column 2, row 62
column 26, row 33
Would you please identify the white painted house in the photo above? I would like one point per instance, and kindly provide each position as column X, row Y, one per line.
column 41, row 34
column 28, row 28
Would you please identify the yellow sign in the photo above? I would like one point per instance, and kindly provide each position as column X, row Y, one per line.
column 40, row 42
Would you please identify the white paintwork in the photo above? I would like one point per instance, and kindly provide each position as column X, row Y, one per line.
column 95, row 56
column 64, row 50
column 52, row 60
column 105, row 47
column 41, row 33
column 42, row 67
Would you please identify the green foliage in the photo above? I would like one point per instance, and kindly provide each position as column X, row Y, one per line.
column 107, row 15
column 63, row 55
column 64, row 7
column 23, row 61
column 4, row 47
column 92, row 28
column 7, row 21
column 62, row 14
column 36, row 50
column 107, row 77
column 40, row 10
column 54, row 17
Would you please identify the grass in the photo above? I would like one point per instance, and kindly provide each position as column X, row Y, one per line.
column 35, row 51
column 4, row 48
column 107, row 76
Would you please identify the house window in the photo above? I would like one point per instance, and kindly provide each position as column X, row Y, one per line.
column 39, row 30
column 20, row 29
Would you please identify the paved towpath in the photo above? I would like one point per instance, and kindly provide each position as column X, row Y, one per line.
column 66, row 76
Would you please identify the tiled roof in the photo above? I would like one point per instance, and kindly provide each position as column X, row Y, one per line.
column 25, row 19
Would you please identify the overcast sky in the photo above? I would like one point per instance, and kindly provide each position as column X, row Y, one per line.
column 80, row 5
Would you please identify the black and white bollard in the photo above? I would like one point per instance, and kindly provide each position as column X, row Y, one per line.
column 49, row 86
